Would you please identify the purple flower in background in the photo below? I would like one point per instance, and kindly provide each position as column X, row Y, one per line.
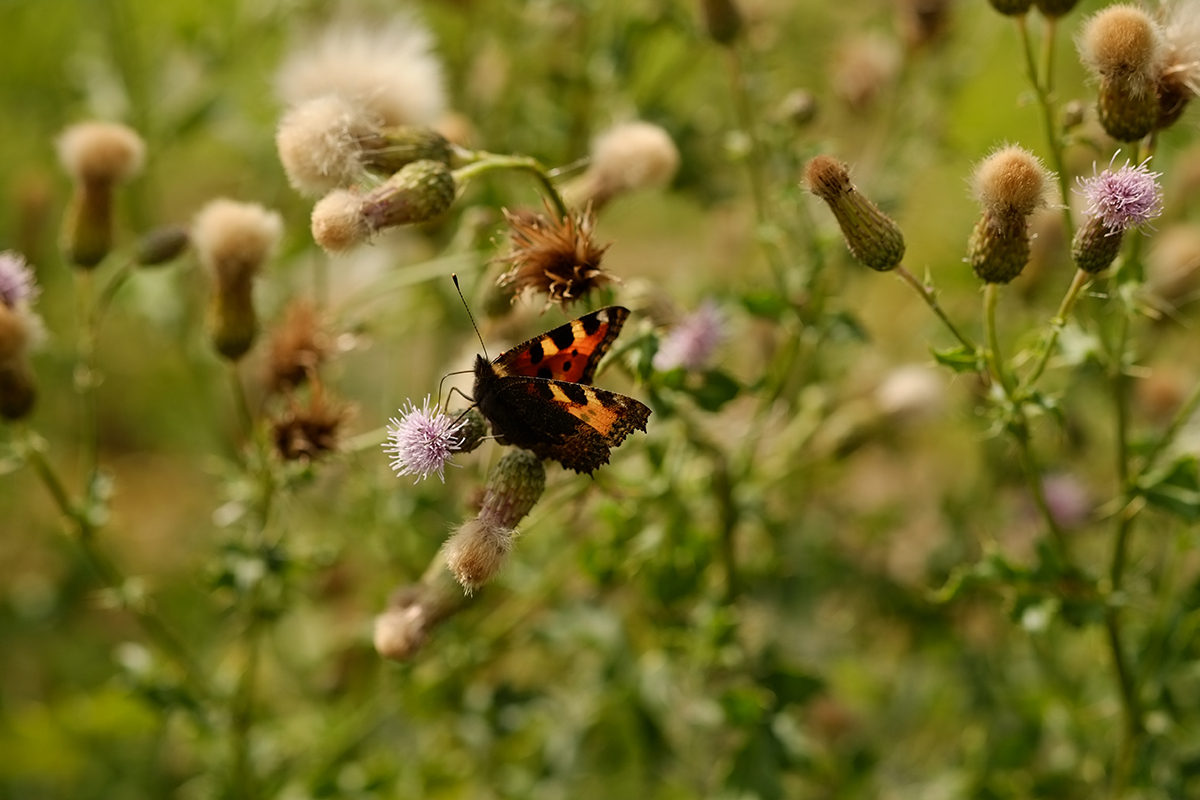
column 17, row 283
column 692, row 342
column 422, row 441
column 1125, row 198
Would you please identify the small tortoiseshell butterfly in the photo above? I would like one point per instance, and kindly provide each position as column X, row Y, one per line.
column 537, row 395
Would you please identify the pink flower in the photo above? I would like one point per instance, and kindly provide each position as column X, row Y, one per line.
column 692, row 342
column 1125, row 198
column 422, row 441
column 17, row 283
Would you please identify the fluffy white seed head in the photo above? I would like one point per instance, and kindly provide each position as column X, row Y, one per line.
column 635, row 155
column 1011, row 178
column 1123, row 42
column 319, row 143
column 390, row 70
column 338, row 224
column 101, row 151
column 234, row 239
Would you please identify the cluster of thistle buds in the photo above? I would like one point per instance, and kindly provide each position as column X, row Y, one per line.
column 1010, row 184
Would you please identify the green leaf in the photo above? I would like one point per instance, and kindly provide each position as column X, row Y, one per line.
column 765, row 304
column 1175, row 489
column 960, row 359
column 715, row 390
column 845, row 327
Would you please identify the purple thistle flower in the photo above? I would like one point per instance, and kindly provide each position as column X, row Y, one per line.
column 691, row 343
column 422, row 441
column 1123, row 199
column 17, row 283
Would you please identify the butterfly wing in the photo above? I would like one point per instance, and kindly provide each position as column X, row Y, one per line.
column 570, row 423
column 570, row 352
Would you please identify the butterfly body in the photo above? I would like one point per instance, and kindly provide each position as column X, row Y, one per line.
column 538, row 394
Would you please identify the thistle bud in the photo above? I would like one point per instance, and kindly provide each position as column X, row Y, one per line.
column 338, row 224
column 476, row 551
column 1179, row 80
column 162, row 245
column 872, row 236
column 1053, row 9
column 1011, row 8
column 1123, row 47
column 473, row 432
column 722, row 20
column 98, row 156
column 1010, row 184
column 233, row 240
column 419, row 192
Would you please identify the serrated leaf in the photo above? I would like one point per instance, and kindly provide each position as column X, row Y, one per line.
column 960, row 359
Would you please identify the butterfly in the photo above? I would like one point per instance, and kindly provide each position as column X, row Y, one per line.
column 538, row 394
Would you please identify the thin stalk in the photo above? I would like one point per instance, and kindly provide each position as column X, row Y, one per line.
column 85, row 376
column 930, row 297
column 108, row 572
column 242, row 712
column 491, row 161
column 1019, row 424
column 245, row 417
column 107, row 294
column 1056, row 325
column 1043, row 89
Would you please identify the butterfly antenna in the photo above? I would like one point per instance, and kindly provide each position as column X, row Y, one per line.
column 454, row 277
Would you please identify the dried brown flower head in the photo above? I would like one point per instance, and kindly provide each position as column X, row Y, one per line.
column 298, row 346
column 308, row 433
column 556, row 256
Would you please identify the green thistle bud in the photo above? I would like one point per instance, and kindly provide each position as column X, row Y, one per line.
column 1127, row 112
column 1011, row 8
column 399, row 146
column 473, row 432
column 999, row 246
column 1123, row 46
column 419, row 192
column 1053, row 9
column 476, row 551
column 1096, row 246
column 872, row 236
column 162, row 245
column 722, row 20
column 98, row 156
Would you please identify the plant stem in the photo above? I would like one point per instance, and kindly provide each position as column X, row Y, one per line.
column 85, row 376
column 1043, row 89
column 245, row 418
column 108, row 572
column 930, row 297
column 1056, row 325
column 490, row 161
column 1018, row 425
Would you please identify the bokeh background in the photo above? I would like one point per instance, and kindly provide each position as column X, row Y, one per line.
column 611, row 658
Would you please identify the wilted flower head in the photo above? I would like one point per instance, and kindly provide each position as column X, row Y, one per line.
column 477, row 549
column 1125, row 198
column 1010, row 184
column 98, row 156
column 17, row 283
column 422, row 441
column 234, row 240
column 1123, row 47
column 1180, row 79
column 556, row 256
column 690, row 344
column 309, row 432
column 297, row 347
column 390, row 70
column 626, row 158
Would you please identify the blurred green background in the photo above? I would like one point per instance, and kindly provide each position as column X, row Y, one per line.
column 608, row 660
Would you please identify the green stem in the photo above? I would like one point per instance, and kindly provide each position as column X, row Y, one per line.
column 489, row 161
column 107, row 294
column 245, row 417
column 1019, row 425
column 930, row 297
column 1043, row 89
column 108, row 572
column 1056, row 325
column 85, row 376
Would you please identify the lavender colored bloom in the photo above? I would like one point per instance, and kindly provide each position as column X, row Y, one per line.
column 17, row 283
column 422, row 441
column 1125, row 198
column 691, row 343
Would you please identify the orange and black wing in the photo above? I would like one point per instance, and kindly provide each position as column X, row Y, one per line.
column 570, row 423
column 569, row 353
